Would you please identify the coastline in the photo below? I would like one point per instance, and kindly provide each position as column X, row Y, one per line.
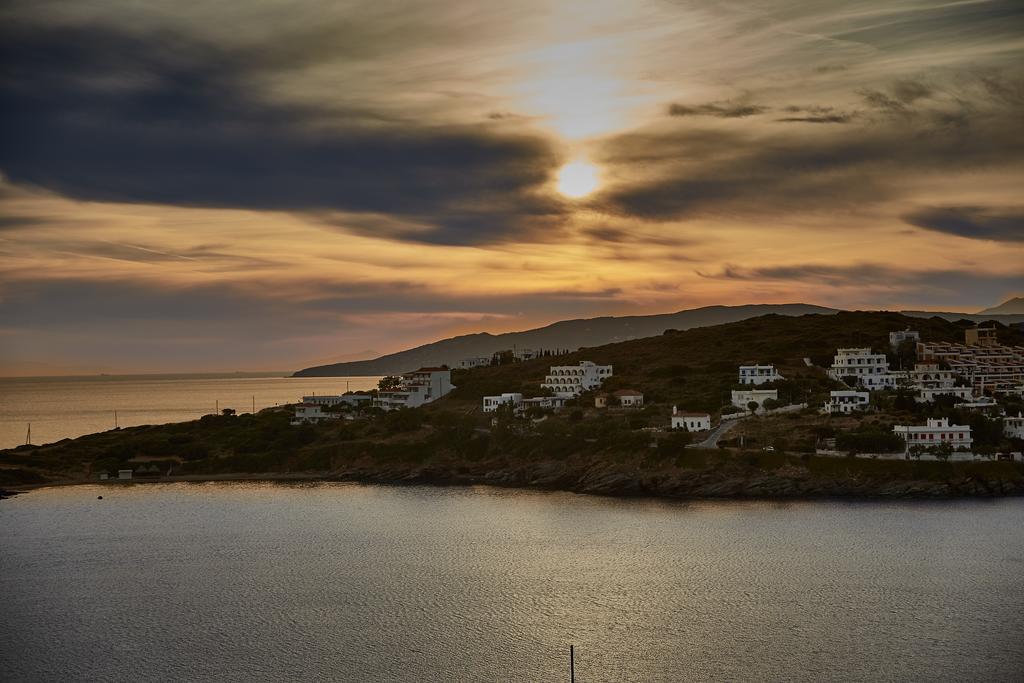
column 606, row 482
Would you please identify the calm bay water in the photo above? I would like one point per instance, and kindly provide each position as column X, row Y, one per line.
column 62, row 407
column 342, row 582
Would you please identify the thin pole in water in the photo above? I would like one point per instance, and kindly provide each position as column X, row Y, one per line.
column 572, row 664
column 28, row 437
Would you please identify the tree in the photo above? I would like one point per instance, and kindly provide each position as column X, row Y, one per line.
column 753, row 406
column 389, row 383
column 771, row 404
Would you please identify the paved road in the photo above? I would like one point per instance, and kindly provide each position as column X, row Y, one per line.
column 715, row 434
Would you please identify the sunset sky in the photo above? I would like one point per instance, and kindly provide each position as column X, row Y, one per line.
column 268, row 185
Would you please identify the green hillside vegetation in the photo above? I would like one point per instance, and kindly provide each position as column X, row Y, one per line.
column 580, row 448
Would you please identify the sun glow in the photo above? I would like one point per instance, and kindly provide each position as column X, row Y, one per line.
column 577, row 179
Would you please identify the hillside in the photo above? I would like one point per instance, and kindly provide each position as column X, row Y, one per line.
column 586, row 333
column 566, row 334
column 1014, row 306
column 580, row 449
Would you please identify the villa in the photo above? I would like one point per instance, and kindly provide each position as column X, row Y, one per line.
column 742, row 398
column 846, row 402
column 572, row 380
column 417, row 388
column 758, row 374
column 629, row 398
column 928, row 395
column 897, row 338
column 936, row 433
column 475, row 362
column 311, row 413
column 329, row 400
column 492, row 403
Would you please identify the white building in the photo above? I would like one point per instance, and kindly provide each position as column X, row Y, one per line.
column 845, row 402
column 492, row 403
column 477, row 362
column 328, row 400
column 545, row 402
column 629, row 398
column 759, row 374
column 1013, row 427
column 927, row 395
column 897, row 338
column 871, row 370
column 124, row 474
column 691, row 422
column 417, row 388
column 935, row 433
column 743, row 397
column 525, row 354
column 311, row 413
column 573, row 380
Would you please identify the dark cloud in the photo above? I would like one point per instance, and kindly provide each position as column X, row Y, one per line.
column 722, row 110
column 1005, row 224
column 818, row 118
column 946, row 287
column 909, row 132
column 103, row 114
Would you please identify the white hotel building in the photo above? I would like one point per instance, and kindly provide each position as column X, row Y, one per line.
column 870, row 369
column 759, row 374
column 846, row 402
column 417, row 388
column 573, row 380
column 742, row 398
column 935, row 433
column 1013, row 427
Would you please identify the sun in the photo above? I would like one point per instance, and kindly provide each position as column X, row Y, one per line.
column 577, row 179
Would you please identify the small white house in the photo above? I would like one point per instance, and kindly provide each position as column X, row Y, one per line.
column 742, row 398
column 545, row 402
column 475, row 362
column 845, row 402
column 600, row 400
column 691, row 422
column 935, row 433
column 629, row 398
column 124, row 474
column 1013, row 427
column 492, row 403
column 758, row 374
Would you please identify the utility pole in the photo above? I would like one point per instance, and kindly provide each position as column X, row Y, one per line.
column 115, row 420
column 28, row 437
column 216, row 407
column 254, row 404
column 572, row 664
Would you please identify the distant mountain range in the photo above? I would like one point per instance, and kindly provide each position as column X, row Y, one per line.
column 1014, row 306
column 575, row 334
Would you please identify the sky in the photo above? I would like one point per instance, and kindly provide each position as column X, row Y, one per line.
column 266, row 185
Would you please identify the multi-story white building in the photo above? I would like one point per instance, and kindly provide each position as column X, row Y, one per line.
column 1013, row 427
column 897, row 338
column 845, row 402
column 475, row 362
column 871, row 370
column 573, row 380
column 329, row 400
column 691, row 422
column 759, row 374
column 417, row 388
column 742, row 398
column 928, row 394
column 311, row 413
column 936, row 433
column 926, row 376
column 492, row 403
